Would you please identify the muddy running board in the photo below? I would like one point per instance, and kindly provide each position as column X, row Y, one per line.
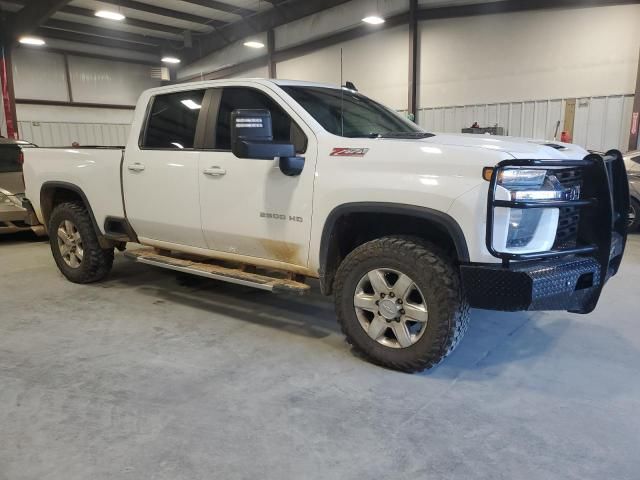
column 151, row 256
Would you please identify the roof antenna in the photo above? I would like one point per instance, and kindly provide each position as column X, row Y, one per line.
column 341, row 99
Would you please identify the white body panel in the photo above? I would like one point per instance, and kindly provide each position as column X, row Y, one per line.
column 249, row 207
column 96, row 172
column 162, row 195
column 173, row 204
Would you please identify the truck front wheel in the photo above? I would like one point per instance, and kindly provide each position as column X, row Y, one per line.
column 400, row 304
column 75, row 245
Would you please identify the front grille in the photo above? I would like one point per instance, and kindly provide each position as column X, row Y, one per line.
column 569, row 218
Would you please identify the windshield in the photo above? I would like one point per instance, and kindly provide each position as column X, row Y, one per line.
column 349, row 114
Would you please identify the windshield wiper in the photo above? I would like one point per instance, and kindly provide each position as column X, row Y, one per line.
column 394, row 135
column 406, row 135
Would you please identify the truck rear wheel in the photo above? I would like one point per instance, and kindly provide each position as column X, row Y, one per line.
column 400, row 304
column 75, row 245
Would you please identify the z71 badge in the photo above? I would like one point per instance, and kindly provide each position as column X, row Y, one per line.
column 348, row 152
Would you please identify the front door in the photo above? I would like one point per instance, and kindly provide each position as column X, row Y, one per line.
column 249, row 207
column 160, row 176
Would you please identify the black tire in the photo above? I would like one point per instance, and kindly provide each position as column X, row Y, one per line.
column 96, row 262
column 438, row 280
column 634, row 224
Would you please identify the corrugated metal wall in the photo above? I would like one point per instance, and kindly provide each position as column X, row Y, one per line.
column 60, row 134
column 600, row 123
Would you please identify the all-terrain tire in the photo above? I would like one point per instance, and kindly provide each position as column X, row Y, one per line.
column 96, row 262
column 438, row 280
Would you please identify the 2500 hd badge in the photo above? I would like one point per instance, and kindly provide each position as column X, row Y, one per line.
column 281, row 216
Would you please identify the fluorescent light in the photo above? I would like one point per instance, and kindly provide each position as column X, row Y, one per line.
column 31, row 41
column 178, row 145
column 253, row 44
column 170, row 60
column 373, row 20
column 109, row 15
column 191, row 104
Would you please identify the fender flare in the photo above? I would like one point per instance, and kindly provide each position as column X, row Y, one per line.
column 446, row 222
column 66, row 186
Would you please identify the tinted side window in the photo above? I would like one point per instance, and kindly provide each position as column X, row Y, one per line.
column 9, row 159
column 173, row 119
column 284, row 129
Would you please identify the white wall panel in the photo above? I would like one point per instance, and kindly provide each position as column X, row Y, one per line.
column 536, row 54
column 69, row 114
column 57, row 134
column 601, row 123
column 39, row 74
column 260, row 72
column 376, row 63
column 102, row 81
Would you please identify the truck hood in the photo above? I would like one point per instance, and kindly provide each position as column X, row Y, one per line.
column 523, row 148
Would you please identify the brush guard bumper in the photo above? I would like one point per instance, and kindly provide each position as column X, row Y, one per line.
column 569, row 278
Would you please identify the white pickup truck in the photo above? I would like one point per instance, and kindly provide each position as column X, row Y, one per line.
column 268, row 182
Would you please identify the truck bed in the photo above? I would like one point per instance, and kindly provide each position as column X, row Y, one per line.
column 92, row 172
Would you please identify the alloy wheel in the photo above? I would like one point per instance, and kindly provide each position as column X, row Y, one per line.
column 391, row 308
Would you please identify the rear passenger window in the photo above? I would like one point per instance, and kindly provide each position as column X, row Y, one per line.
column 285, row 130
column 173, row 119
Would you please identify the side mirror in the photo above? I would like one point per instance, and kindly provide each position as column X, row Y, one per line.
column 252, row 136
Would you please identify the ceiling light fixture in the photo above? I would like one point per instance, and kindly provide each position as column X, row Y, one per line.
column 373, row 20
column 170, row 60
column 31, row 41
column 252, row 44
column 191, row 104
column 109, row 15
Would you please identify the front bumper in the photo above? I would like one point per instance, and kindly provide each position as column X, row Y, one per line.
column 570, row 283
column 567, row 278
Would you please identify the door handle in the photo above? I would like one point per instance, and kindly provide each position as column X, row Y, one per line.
column 214, row 171
column 136, row 167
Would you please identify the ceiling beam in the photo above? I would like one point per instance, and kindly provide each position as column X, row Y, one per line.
column 134, row 22
column 262, row 21
column 30, row 17
column 102, row 56
column 97, row 40
column 165, row 12
column 222, row 6
column 511, row 6
column 102, row 32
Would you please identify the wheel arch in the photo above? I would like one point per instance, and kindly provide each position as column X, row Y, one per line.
column 54, row 193
column 425, row 222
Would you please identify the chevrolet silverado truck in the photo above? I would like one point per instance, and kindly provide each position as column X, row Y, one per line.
column 268, row 183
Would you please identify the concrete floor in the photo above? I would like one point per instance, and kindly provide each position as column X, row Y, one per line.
column 141, row 377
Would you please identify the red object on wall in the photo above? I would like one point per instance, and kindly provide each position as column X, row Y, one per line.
column 6, row 100
column 565, row 137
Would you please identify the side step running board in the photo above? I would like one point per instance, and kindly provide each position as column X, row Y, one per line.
column 150, row 256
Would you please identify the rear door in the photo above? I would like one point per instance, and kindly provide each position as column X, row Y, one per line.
column 161, row 174
column 249, row 207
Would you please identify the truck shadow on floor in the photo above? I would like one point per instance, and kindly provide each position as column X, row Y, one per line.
column 495, row 340
column 310, row 315
column 21, row 237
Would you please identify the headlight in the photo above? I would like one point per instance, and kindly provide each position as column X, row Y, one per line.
column 528, row 228
column 531, row 184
